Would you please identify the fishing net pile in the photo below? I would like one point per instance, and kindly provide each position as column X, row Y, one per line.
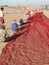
column 30, row 45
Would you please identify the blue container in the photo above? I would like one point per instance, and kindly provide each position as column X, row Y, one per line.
column 14, row 26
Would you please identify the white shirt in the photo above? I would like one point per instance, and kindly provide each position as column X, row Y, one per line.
column 1, row 13
column 27, row 16
column 32, row 13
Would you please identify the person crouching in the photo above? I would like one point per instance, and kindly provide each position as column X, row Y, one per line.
column 14, row 26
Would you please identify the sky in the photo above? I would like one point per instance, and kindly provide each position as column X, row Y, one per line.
column 24, row 2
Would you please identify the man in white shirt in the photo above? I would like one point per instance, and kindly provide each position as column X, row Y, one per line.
column 1, row 14
column 31, row 13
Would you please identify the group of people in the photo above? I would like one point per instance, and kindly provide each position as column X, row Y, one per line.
column 1, row 16
column 15, row 25
column 3, row 31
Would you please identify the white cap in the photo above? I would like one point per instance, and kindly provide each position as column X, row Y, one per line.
column 27, row 16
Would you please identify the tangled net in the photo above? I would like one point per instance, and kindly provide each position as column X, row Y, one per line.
column 30, row 45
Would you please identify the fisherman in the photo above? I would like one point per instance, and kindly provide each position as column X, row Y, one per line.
column 29, row 15
column 21, row 21
column 14, row 25
column 1, row 15
column 3, row 33
column 2, row 27
column 32, row 13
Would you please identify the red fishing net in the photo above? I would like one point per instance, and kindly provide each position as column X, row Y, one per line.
column 30, row 45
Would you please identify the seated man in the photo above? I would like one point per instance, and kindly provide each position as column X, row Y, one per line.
column 14, row 26
column 21, row 22
column 3, row 33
